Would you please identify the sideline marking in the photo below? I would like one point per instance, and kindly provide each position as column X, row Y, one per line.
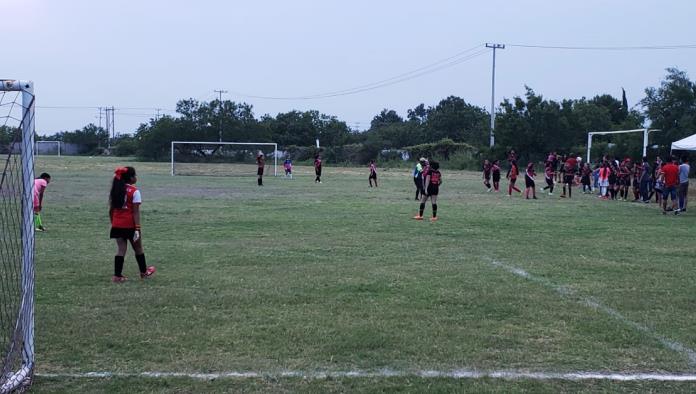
column 594, row 304
column 389, row 373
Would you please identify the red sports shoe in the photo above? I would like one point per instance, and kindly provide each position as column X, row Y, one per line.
column 433, row 219
column 418, row 217
column 118, row 279
column 148, row 272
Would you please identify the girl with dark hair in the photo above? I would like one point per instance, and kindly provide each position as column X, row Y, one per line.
column 124, row 212
column 512, row 174
column 432, row 182
column 317, row 168
column 495, row 171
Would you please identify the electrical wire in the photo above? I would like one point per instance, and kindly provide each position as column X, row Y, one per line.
column 608, row 48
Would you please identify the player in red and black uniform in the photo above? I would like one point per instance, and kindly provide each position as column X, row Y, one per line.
column 512, row 174
column 373, row 173
column 495, row 171
column 624, row 178
column 529, row 184
column 549, row 175
column 124, row 212
column 432, row 181
column 569, row 169
column 487, row 174
column 637, row 173
column 261, row 164
column 317, row 168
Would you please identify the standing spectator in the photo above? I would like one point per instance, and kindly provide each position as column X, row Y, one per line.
column 684, row 169
column 645, row 180
column 671, row 173
column 585, row 175
column 604, row 173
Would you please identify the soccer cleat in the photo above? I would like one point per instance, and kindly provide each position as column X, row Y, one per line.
column 418, row 217
column 433, row 219
column 118, row 279
column 148, row 272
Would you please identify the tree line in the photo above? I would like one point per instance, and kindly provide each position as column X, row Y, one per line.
column 531, row 124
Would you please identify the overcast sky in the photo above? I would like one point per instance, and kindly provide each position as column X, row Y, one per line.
column 151, row 53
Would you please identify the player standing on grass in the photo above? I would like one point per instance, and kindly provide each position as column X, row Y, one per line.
column 40, row 185
column 287, row 165
column 261, row 164
column 495, row 171
column 529, row 184
column 569, row 169
column 549, row 174
column 487, row 174
column 317, row 168
column 512, row 174
column 124, row 212
column 432, row 181
column 418, row 177
column 684, row 170
column 671, row 174
column 373, row 173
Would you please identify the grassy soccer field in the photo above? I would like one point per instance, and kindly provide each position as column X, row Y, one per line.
column 337, row 277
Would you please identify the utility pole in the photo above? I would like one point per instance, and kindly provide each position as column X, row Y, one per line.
column 220, row 92
column 494, row 47
column 158, row 113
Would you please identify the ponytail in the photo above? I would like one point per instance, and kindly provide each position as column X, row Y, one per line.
column 122, row 177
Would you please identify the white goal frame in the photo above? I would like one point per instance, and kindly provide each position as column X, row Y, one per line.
column 36, row 146
column 646, row 132
column 25, row 320
column 273, row 144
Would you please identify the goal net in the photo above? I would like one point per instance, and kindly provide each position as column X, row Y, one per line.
column 645, row 132
column 52, row 148
column 222, row 158
column 16, row 234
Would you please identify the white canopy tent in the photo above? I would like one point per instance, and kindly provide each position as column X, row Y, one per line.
column 688, row 143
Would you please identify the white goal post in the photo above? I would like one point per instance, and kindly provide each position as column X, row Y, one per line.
column 17, row 236
column 215, row 147
column 646, row 132
column 40, row 147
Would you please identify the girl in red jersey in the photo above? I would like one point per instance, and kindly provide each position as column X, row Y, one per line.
column 529, row 184
column 373, row 173
column 512, row 174
column 124, row 211
column 495, row 171
column 432, row 183
column 261, row 164
column 317, row 168
column 487, row 174
column 549, row 175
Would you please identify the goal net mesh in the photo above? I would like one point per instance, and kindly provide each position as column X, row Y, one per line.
column 221, row 159
column 16, row 242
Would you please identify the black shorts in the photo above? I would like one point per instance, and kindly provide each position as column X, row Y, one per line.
column 487, row 177
column 259, row 171
column 125, row 233
column 373, row 176
column 317, row 170
column 569, row 179
column 636, row 183
column 496, row 178
column 528, row 182
column 433, row 190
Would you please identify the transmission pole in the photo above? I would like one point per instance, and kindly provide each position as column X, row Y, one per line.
column 494, row 47
column 220, row 92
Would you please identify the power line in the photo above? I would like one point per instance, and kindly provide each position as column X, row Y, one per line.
column 608, row 48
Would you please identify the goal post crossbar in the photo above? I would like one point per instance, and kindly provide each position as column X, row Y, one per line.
column 37, row 149
column 273, row 144
column 25, row 318
column 645, row 132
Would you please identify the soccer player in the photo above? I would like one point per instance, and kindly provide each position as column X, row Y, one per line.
column 569, row 169
column 671, row 174
column 645, row 180
column 512, row 174
column 549, row 175
column 495, row 170
column 418, row 177
column 124, row 211
column 317, row 168
column 487, row 174
column 585, row 175
column 529, row 175
column 373, row 173
column 432, row 181
column 40, row 185
column 287, row 165
column 260, row 163
column 637, row 172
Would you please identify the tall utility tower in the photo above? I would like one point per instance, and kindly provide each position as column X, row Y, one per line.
column 110, row 124
column 494, row 47
column 220, row 92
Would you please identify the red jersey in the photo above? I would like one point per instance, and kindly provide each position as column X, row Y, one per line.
column 373, row 169
column 260, row 161
column 317, row 163
column 435, row 177
column 513, row 172
column 548, row 171
column 671, row 172
column 123, row 217
column 570, row 165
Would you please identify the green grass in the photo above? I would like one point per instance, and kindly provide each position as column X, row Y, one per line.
column 337, row 276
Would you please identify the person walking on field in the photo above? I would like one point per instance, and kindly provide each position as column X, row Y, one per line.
column 373, row 173
column 432, row 182
column 570, row 167
column 671, row 174
column 317, row 168
column 124, row 212
column 487, row 174
column 512, row 174
column 495, row 171
column 529, row 184
column 684, row 169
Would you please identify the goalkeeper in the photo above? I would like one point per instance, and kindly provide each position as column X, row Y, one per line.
column 40, row 185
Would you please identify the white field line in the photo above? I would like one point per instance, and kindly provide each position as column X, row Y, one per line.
column 388, row 373
column 680, row 348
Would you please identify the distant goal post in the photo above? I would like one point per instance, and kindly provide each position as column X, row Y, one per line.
column 219, row 158
column 646, row 132
column 52, row 148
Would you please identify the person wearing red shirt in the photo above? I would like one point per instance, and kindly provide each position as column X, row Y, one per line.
column 317, row 168
column 570, row 167
column 260, row 164
column 671, row 174
column 124, row 212
column 512, row 174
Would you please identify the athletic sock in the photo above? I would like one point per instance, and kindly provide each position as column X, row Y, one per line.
column 118, row 265
column 422, row 208
column 434, row 210
column 140, row 258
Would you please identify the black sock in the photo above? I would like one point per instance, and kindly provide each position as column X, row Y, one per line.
column 570, row 191
column 260, row 182
column 422, row 208
column 118, row 265
column 140, row 258
column 434, row 210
